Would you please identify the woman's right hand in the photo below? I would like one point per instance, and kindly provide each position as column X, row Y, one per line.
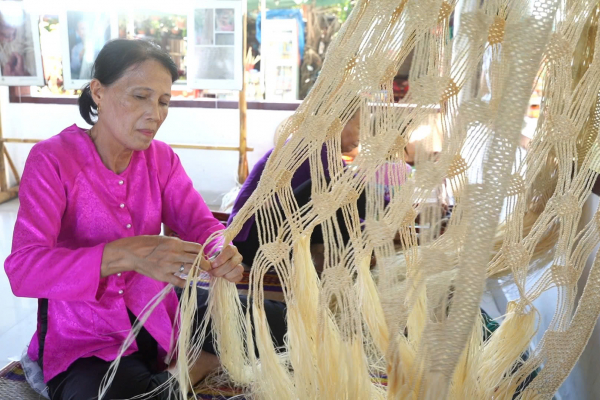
column 157, row 257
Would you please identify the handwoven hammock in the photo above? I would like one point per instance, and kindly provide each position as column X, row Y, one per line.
column 419, row 321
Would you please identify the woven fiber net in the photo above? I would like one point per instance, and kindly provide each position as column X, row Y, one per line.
column 416, row 318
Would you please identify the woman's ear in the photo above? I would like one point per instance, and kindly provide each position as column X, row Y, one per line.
column 97, row 90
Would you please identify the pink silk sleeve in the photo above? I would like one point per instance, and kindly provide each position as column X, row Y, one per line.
column 184, row 210
column 37, row 267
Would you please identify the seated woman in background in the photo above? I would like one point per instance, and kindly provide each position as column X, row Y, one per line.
column 247, row 240
column 86, row 240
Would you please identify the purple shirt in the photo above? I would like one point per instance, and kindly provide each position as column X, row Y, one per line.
column 71, row 206
column 301, row 175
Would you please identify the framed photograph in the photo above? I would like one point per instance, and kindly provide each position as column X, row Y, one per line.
column 214, row 54
column 20, row 52
column 165, row 26
column 84, row 33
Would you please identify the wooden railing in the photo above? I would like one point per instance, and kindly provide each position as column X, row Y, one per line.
column 8, row 193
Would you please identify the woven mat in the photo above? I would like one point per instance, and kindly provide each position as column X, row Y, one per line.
column 13, row 384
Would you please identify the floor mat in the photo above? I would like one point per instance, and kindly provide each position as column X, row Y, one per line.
column 13, row 384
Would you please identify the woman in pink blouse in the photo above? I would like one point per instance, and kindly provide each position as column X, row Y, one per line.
column 86, row 241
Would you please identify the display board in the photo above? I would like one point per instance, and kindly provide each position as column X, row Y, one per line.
column 84, row 32
column 20, row 53
column 215, row 45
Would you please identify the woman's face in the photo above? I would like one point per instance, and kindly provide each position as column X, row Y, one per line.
column 135, row 106
column 351, row 134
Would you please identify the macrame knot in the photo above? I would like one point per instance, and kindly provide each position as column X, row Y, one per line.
column 431, row 90
column 445, row 11
column 342, row 194
column 293, row 123
column 395, row 16
column 379, row 233
column 561, row 129
column 514, row 256
column 561, row 276
column 317, row 127
column 423, row 11
column 496, row 32
column 350, row 68
column 473, row 25
column 351, row 196
column 457, row 167
column 323, row 204
column 516, row 186
column 450, row 90
column 565, row 205
column 275, row 251
column 399, row 145
column 372, row 149
column 283, row 179
column 558, row 48
column 410, row 217
column 390, row 72
column 335, row 129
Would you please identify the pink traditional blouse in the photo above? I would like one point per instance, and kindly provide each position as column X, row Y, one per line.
column 71, row 207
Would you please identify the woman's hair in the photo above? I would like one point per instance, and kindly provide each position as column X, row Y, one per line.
column 116, row 57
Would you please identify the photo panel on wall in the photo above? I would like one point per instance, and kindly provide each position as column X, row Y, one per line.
column 215, row 45
column 20, row 52
column 162, row 24
column 84, row 32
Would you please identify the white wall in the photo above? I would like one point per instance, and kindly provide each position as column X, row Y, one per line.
column 214, row 173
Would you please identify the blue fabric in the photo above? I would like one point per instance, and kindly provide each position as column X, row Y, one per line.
column 292, row 13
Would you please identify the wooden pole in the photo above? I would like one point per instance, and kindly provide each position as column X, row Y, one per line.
column 263, row 74
column 12, row 167
column 243, row 160
column 6, row 193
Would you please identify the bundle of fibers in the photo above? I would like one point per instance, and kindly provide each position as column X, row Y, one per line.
column 418, row 320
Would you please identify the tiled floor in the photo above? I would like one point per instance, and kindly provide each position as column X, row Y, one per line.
column 17, row 315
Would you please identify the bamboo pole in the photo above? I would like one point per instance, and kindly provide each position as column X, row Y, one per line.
column 243, row 160
column 6, row 193
column 9, row 194
column 12, row 140
column 12, row 167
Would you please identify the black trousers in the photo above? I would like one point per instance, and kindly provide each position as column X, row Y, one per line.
column 140, row 372
column 249, row 247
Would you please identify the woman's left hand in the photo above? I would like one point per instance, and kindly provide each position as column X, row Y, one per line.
column 228, row 264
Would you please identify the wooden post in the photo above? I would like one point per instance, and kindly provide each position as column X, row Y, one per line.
column 5, row 193
column 12, row 166
column 243, row 160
